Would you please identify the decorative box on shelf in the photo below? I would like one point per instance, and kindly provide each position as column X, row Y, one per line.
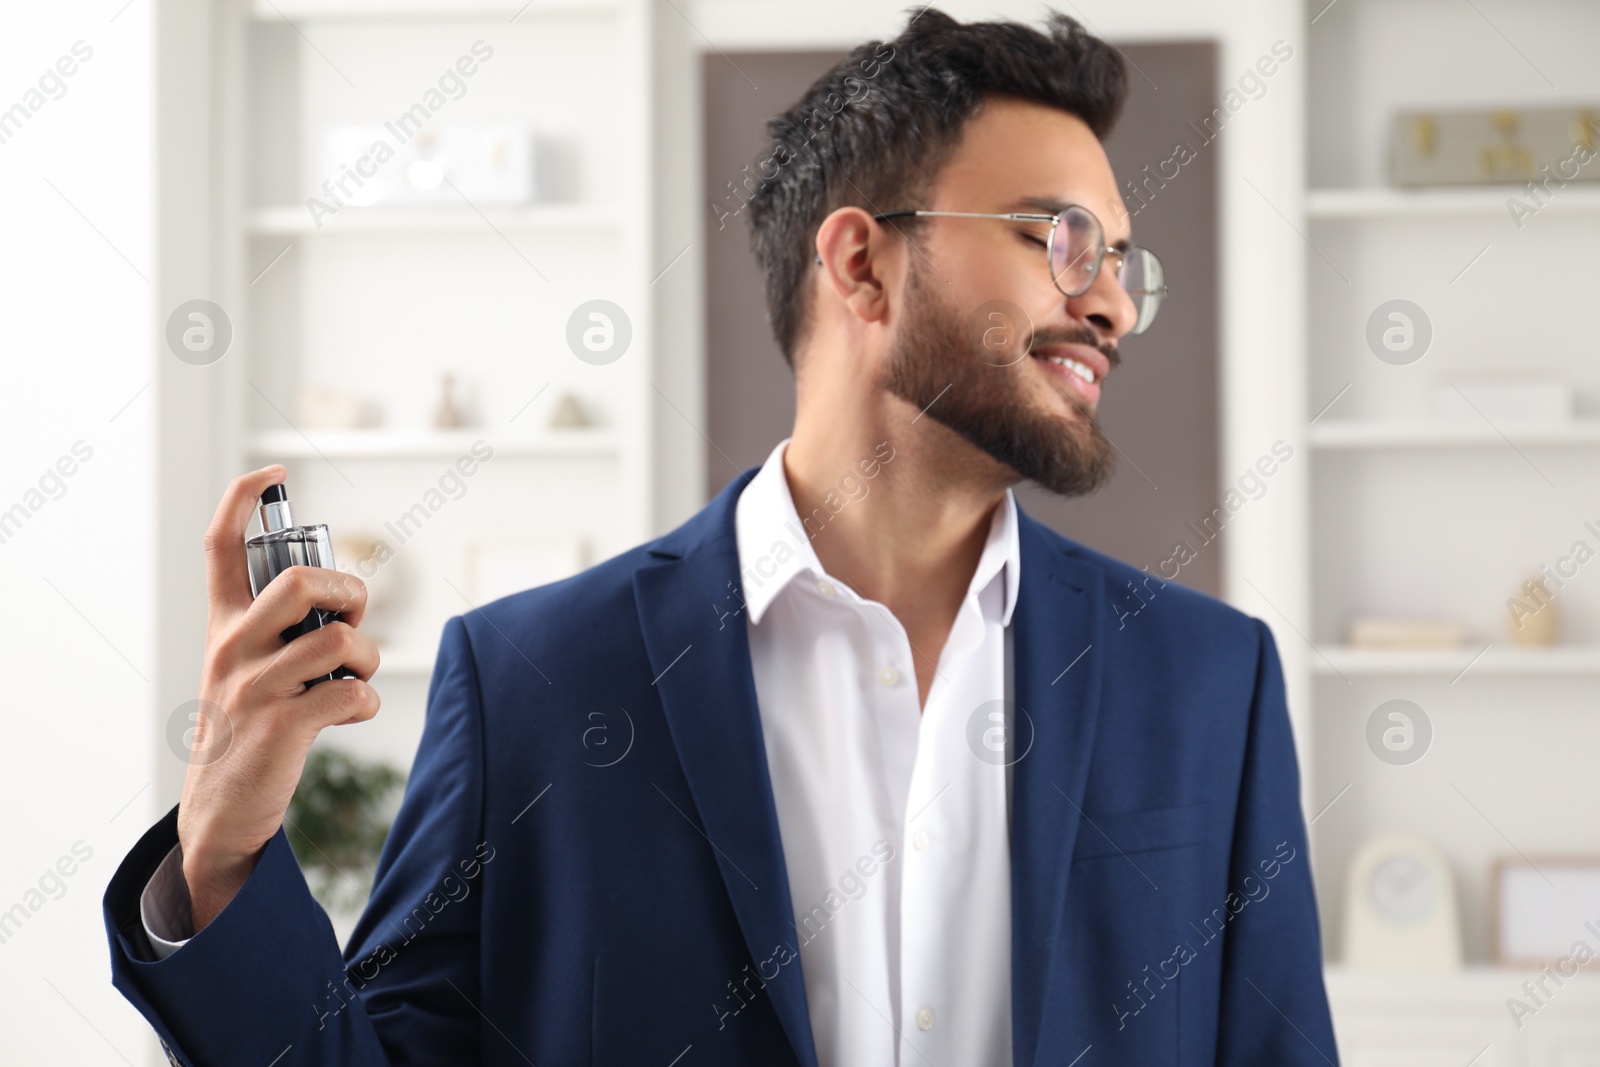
column 1486, row 146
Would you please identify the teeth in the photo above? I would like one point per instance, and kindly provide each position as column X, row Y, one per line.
column 1075, row 367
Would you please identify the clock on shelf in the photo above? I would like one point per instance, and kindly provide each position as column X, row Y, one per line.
column 1400, row 911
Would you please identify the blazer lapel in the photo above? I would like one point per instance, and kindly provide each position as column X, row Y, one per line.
column 1057, row 651
column 695, row 632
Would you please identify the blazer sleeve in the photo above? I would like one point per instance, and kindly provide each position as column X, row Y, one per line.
column 1274, row 1007
column 266, row 977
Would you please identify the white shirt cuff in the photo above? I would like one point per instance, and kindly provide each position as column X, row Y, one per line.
column 164, row 906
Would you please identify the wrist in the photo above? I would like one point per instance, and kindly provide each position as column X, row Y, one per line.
column 213, row 880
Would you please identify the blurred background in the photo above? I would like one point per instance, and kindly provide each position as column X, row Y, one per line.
column 477, row 272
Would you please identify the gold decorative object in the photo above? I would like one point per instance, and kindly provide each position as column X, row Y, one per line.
column 1547, row 146
column 1586, row 129
column 1424, row 134
column 1508, row 160
column 1535, row 618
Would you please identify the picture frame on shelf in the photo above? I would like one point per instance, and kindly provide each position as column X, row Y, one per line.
column 1540, row 906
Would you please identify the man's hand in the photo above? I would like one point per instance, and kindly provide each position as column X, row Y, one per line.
column 258, row 719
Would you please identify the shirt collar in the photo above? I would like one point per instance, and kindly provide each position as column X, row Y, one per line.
column 775, row 548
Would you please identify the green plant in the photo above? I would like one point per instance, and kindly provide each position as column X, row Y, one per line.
column 336, row 824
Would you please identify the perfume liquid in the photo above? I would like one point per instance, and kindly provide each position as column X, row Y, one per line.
column 281, row 545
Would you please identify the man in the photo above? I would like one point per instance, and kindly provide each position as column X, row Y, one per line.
column 908, row 782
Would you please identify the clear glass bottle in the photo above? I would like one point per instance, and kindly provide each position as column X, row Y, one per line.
column 281, row 545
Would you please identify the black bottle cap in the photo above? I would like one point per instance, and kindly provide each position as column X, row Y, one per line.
column 275, row 494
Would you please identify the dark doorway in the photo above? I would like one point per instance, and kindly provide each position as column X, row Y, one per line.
column 1160, row 408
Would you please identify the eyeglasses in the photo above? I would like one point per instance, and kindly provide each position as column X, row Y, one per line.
column 1076, row 249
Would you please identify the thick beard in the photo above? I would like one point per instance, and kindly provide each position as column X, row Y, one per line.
column 935, row 359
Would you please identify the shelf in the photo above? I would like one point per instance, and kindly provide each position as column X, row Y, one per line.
column 430, row 444
column 347, row 10
column 1501, row 660
column 404, row 662
column 1385, row 203
column 1350, row 433
column 1476, row 983
column 545, row 218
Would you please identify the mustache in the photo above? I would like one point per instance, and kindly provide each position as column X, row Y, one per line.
column 1084, row 336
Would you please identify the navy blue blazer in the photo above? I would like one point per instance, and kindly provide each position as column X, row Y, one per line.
column 547, row 899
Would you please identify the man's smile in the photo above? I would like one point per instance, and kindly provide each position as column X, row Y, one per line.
column 1081, row 367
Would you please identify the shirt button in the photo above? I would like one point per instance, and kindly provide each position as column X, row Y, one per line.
column 825, row 588
column 925, row 1019
column 919, row 841
column 889, row 676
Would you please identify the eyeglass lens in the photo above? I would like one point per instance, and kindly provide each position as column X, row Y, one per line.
column 1078, row 249
column 1144, row 282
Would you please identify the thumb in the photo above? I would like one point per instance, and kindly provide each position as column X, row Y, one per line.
column 227, row 572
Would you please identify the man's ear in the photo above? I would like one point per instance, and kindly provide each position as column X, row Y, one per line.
column 859, row 260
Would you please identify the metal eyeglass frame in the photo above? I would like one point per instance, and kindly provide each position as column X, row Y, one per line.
column 1055, row 222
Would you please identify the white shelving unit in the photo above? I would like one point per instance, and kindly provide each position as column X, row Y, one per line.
column 382, row 301
column 1422, row 1019
column 1411, row 515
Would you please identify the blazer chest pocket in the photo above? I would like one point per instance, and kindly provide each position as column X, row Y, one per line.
column 1131, row 832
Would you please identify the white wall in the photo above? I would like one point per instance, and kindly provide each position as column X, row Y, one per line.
column 77, row 296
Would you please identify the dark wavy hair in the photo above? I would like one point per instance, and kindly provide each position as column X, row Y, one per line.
column 875, row 131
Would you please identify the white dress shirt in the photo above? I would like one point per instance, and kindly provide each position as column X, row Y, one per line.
column 909, row 964
column 896, row 830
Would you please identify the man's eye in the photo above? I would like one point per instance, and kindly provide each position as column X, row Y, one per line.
column 1034, row 240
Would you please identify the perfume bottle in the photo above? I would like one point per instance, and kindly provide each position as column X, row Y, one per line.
column 280, row 545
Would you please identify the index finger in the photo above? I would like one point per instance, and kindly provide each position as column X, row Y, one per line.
column 227, row 571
